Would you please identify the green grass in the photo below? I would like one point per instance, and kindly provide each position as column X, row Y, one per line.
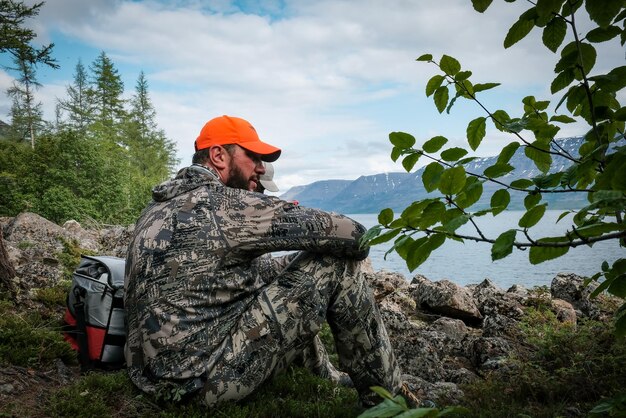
column 296, row 393
column 562, row 369
column 28, row 339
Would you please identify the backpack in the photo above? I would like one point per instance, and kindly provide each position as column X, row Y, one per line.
column 94, row 316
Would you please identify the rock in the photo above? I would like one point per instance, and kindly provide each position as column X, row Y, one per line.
column 492, row 300
column 497, row 325
column 447, row 298
column 489, row 353
column 564, row 311
column 571, row 288
column 454, row 329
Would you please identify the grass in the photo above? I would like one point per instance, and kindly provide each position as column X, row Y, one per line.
column 296, row 393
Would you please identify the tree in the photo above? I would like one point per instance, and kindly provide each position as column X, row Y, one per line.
column 152, row 156
column 79, row 103
column 107, row 87
column 26, row 112
column 598, row 170
column 16, row 40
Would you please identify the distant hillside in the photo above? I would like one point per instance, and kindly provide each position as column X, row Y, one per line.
column 370, row 194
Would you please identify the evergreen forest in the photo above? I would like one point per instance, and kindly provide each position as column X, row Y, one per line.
column 98, row 159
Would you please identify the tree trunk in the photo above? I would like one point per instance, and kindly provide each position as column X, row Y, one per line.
column 7, row 272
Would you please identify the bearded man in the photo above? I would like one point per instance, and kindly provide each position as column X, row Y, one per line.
column 211, row 315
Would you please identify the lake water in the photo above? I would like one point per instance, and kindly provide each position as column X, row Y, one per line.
column 470, row 262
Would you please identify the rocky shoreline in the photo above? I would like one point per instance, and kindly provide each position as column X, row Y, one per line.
column 444, row 335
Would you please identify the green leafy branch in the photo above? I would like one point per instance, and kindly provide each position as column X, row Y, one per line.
column 598, row 168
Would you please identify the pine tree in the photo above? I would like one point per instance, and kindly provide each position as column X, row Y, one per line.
column 107, row 88
column 152, row 155
column 16, row 39
column 79, row 103
column 26, row 112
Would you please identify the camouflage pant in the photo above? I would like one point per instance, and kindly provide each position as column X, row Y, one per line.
column 283, row 321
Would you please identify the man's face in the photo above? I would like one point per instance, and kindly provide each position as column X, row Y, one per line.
column 244, row 170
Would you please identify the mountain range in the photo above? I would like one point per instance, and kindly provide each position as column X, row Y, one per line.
column 371, row 194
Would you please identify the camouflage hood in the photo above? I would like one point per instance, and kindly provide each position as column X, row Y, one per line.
column 186, row 179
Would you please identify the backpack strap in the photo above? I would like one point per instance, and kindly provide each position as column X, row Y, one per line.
column 83, row 346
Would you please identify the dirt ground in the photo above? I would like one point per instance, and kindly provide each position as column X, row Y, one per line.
column 23, row 391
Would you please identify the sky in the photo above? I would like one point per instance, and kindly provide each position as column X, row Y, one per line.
column 324, row 80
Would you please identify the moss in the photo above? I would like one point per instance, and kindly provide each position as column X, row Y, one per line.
column 69, row 257
column 55, row 296
column 24, row 245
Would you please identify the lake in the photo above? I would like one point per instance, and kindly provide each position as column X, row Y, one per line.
column 470, row 262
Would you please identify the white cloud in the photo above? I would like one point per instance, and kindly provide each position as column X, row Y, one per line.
column 321, row 79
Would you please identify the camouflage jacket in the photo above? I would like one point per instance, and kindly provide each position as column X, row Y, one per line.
column 196, row 261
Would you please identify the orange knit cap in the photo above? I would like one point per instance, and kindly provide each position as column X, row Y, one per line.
column 225, row 130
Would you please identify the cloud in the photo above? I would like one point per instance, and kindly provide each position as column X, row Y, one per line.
column 326, row 80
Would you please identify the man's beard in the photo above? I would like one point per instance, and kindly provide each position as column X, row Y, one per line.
column 236, row 178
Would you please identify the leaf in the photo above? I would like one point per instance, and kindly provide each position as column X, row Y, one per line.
column 454, row 223
column 569, row 57
column 588, row 56
column 548, row 181
column 519, row 30
column 452, row 180
column 441, row 98
column 521, row 184
column 433, row 84
column 425, row 57
column 562, row 80
column 603, row 11
column 434, row 144
column 387, row 408
column 481, row 5
column 462, row 76
column 500, row 201
column 432, row 175
column 384, row 237
column 532, row 216
column 507, row 152
column 476, row 132
column 498, row 170
column 503, row 245
column 401, row 139
column 500, row 119
column 618, row 182
column 603, row 34
column 546, row 10
column 396, row 153
column 432, row 214
column 410, row 160
column 385, row 216
column 453, row 154
column 538, row 255
column 484, row 86
column 420, row 253
column 531, row 200
column 470, row 194
column 370, row 234
column 554, row 33
column 562, row 119
column 538, row 153
column 449, row 65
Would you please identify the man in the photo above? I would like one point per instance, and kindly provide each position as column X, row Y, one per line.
column 266, row 180
column 210, row 316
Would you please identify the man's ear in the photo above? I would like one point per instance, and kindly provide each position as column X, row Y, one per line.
column 219, row 157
